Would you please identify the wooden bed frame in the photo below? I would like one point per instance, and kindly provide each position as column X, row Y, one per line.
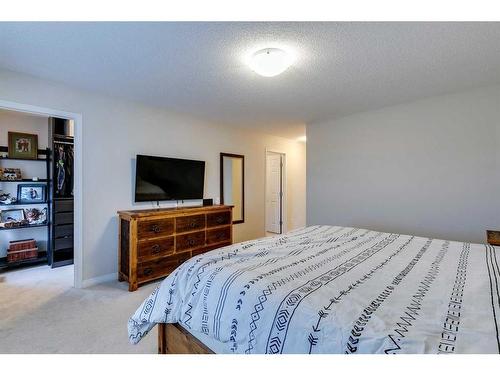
column 174, row 339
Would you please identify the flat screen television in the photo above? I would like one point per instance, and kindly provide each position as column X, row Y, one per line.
column 164, row 179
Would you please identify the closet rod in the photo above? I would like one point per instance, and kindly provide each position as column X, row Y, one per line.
column 64, row 143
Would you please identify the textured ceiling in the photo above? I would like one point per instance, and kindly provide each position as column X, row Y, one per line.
column 198, row 68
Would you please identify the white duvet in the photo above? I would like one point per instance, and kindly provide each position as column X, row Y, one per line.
column 326, row 289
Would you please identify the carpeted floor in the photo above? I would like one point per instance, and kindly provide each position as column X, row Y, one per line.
column 40, row 312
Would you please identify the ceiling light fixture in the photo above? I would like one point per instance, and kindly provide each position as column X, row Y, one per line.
column 270, row 62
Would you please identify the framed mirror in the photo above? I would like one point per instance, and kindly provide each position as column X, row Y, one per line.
column 232, row 184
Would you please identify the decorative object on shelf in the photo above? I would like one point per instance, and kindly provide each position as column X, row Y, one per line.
column 34, row 216
column 15, row 216
column 10, row 174
column 6, row 198
column 22, row 250
column 23, row 145
column 29, row 193
column 493, row 237
column 14, row 224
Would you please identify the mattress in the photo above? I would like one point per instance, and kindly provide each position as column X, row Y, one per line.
column 330, row 289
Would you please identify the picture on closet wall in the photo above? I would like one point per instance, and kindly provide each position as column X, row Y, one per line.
column 7, row 216
column 23, row 145
column 28, row 193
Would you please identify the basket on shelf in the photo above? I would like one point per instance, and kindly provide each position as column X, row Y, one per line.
column 22, row 250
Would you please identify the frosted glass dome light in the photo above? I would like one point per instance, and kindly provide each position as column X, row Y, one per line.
column 270, row 62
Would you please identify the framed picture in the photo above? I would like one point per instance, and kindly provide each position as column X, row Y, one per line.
column 10, row 174
column 11, row 215
column 29, row 193
column 35, row 216
column 23, row 145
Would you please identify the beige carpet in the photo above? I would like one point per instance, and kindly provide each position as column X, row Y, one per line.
column 40, row 312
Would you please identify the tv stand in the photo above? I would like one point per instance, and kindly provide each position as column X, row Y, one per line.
column 153, row 243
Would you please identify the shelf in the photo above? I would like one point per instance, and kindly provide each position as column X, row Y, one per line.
column 62, row 263
column 42, row 258
column 26, row 226
column 64, row 136
column 21, row 159
column 21, row 204
column 40, row 152
column 43, row 180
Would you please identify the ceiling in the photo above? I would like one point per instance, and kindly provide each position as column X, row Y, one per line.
column 198, row 68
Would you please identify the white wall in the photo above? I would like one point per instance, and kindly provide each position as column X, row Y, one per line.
column 114, row 131
column 24, row 123
column 430, row 167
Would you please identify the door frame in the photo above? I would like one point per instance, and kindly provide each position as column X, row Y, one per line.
column 284, row 225
column 78, row 182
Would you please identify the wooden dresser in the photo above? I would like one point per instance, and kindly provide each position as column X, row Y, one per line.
column 152, row 243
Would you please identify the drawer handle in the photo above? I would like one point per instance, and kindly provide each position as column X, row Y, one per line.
column 191, row 242
column 219, row 220
column 148, row 271
column 192, row 224
column 155, row 228
column 155, row 249
column 221, row 236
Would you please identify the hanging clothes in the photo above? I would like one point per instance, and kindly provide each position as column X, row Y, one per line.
column 63, row 174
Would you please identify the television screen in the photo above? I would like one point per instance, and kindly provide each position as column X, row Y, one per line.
column 163, row 179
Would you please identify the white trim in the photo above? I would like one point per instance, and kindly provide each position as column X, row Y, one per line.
column 100, row 279
column 284, row 201
column 78, row 184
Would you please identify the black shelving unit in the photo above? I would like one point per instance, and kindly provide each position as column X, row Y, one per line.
column 43, row 156
column 62, row 215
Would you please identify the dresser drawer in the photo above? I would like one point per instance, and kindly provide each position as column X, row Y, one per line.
column 63, row 230
column 63, row 218
column 155, row 248
column 218, row 235
column 65, row 205
column 189, row 241
column 218, row 218
column 63, row 243
column 189, row 223
column 157, row 268
column 154, row 228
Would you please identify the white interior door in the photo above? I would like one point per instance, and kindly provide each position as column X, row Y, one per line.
column 273, row 193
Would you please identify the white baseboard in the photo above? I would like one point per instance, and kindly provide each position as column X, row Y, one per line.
column 99, row 280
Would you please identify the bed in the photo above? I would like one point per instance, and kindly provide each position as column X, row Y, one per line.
column 329, row 289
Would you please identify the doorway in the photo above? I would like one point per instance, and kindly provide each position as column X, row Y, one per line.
column 275, row 192
column 78, row 219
